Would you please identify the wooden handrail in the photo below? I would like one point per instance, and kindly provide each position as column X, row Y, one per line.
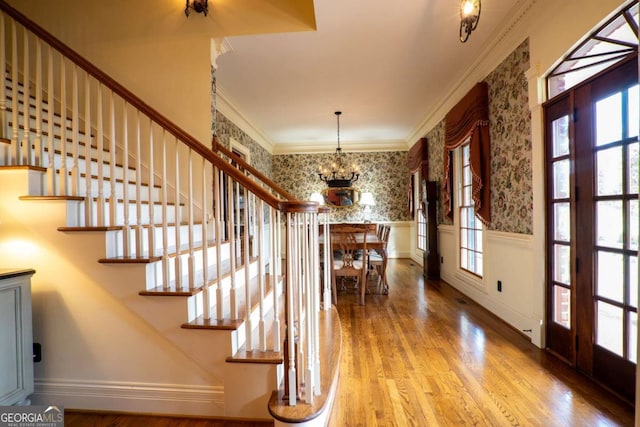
column 153, row 114
column 216, row 146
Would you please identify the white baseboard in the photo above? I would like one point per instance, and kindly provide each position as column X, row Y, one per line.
column 171, row 399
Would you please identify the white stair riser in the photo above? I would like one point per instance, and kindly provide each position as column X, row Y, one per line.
column 76, row 209
column 116, row 241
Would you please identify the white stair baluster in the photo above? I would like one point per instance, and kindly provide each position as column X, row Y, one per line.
column 258, row 218
column 113, row 200
column 16, row 150
column 88, row 199
column 52, row 183
column 38, row 150
column 152, row 198
column 75, row 122
column 206, row 298
column 26, row 105
column 178, row 219
column 64, row 188
column 218, row 192
column 126, row 230
column 139, row 237
column 100, row 202
column 166, row 273
column 191, row 267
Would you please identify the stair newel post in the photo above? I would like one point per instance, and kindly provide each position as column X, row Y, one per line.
column 37, row 142
column 88, row 200
column 274, row 263
column 126, row 230
column 323, row 212
column 231, row 237
column 75, row 122
column 64, row 170
column 206, row 298
column 100, row 201
column 177, row 220
column 26, row 106
column 139, row 237
column 152, row 197
column 261, row 273
column 191, row 258
column 217, row 220
column 166, row 273
column 16, row 150
column 113, row 199
column 51, row 167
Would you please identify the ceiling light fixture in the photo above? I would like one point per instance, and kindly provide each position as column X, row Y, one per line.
column 339, row 174
column 469, row 18
column 200, row 6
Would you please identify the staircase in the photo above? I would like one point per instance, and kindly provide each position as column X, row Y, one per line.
column 220, row 263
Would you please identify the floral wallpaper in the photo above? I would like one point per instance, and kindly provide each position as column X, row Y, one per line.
column 385, row 174
column 435, row 143
column 510, row 125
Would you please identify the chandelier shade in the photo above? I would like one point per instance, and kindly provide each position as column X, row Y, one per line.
column 339, row 173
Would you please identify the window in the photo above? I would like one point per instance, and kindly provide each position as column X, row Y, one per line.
column 420, row 214
column 470, row 226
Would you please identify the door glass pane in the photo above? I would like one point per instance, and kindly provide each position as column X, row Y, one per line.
column 610, row 276
column 561, row 179
column 634, row 160
column 561, row 221
column 633, row 111
column 633, row 281
column 633, row 224
column 463, row 259
column 610, row 327
column 609, row 225
column 609, row 119
column 609, row 170
column 633, row 336
column 560, row 136
column 562, row 264
column 479, row 240
column 479, row 264
column 562, row 306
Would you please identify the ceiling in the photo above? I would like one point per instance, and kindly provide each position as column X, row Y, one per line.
column 386, row 68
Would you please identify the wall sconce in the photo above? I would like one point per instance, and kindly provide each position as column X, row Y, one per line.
column 367, row 201
column 469, row 18
column 200, row 6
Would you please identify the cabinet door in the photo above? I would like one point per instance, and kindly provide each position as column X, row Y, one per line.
column 16, row 365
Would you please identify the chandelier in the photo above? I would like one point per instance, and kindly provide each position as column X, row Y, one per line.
column 338, row 173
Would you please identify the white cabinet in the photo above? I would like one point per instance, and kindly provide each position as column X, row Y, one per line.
column 16, row 342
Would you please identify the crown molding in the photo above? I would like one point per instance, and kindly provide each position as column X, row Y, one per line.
column 502, row 42
column 225, row 107
column 330, row 147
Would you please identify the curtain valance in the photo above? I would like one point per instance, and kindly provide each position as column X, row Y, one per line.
column 469, row 120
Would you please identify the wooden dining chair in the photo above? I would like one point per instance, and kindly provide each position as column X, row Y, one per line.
column 378, row 260
column 349, row 246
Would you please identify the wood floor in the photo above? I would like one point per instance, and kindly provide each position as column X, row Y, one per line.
column 424, row 356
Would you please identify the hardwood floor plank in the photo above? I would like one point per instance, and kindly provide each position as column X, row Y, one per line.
column 435, row 358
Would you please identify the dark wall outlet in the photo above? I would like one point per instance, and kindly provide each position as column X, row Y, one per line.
column 499, row 285
column 37, row 352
